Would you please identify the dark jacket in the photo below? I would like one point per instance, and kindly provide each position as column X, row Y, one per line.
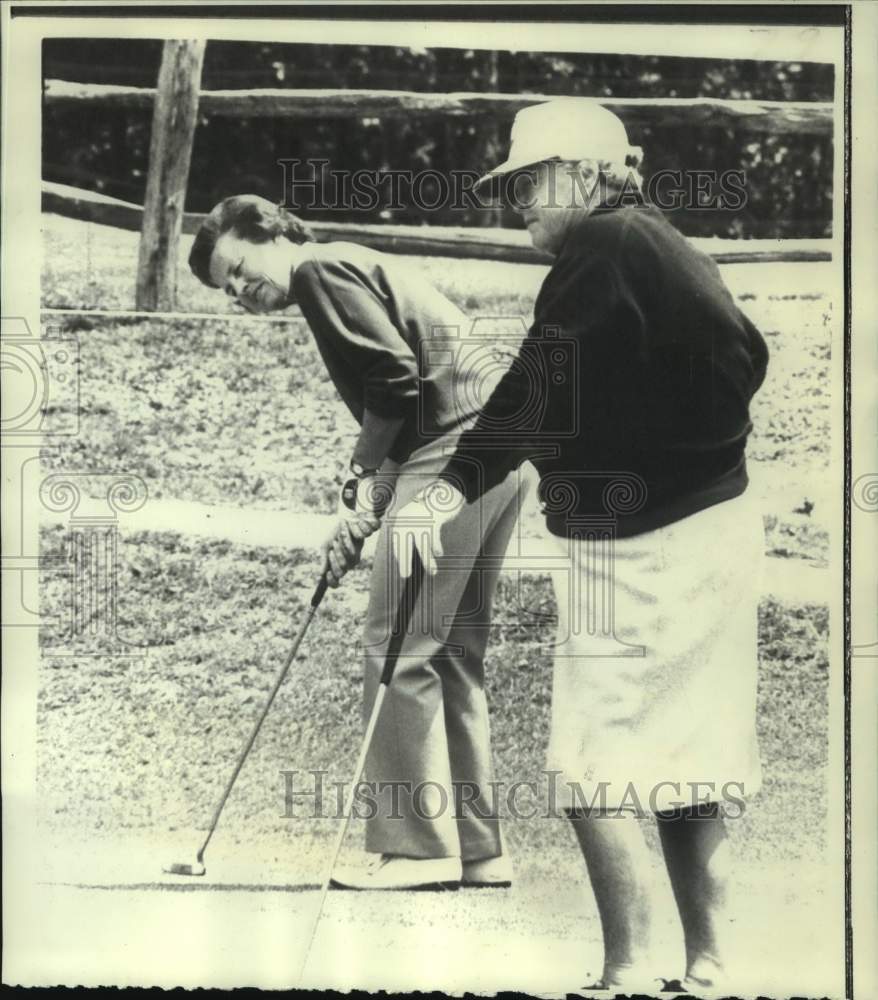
column 644, row 368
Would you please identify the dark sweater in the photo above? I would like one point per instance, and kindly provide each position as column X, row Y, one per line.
column 644, row 368
column 381, row 330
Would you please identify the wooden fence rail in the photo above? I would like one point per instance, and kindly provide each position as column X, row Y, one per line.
column 509, row 245
column 177, row 102
column 812, row 117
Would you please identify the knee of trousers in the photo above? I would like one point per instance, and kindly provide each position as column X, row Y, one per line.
column 420, row 645
column 414, row 664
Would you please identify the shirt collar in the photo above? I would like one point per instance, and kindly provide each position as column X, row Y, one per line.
column 603, row 209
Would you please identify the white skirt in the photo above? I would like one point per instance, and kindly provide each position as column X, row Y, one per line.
column 655, row 670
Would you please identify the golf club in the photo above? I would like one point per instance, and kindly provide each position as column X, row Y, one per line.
column 404, row 611
column 197, row 867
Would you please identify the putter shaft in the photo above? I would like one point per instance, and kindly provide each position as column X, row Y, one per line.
column 403, row 618
column 316, row 598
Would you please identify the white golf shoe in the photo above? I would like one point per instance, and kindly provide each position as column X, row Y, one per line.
column 489, row 873
column 388, row 872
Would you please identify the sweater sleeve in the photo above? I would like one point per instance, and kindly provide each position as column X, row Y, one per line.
column 347, row 315
column 758, row 350
column 537, row 400
column 507, row 427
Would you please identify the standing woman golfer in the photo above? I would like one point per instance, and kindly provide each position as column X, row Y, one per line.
column 373, row 320
column 666, row 366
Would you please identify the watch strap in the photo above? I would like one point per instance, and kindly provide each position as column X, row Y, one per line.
column 360, row 470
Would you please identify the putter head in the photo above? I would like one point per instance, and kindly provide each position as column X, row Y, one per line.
column 177, row 868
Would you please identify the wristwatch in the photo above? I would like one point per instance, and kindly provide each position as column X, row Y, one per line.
column 360, row 471
column 378, row 497
column 349, row 494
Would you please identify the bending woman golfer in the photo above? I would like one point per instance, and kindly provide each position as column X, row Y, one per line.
column 373, row 321
column 654, row 697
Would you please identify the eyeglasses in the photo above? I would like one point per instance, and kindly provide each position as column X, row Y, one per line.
column 520, row 187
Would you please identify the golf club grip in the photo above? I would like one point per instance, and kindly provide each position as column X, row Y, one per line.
column 404, row 612
column 320, row 590
column 322, row 585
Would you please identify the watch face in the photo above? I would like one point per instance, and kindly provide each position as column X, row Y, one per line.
column 349, row 494
column 360, row 470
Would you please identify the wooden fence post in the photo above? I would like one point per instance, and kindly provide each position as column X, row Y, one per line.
column 170, row 152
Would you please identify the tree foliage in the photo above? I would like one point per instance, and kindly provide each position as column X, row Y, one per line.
column 788, row 177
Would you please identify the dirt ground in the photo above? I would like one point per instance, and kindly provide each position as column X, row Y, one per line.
column 106, row 915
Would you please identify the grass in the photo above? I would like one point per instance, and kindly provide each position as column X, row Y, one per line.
column 145, row 742
column 240, row 412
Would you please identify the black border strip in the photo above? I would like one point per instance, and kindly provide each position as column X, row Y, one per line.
column 825, row 14
column 848, row 899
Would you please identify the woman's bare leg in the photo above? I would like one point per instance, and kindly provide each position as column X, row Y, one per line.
column 618, row 864
column 695, row 845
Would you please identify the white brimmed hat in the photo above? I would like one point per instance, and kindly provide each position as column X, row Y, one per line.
column 569, row 128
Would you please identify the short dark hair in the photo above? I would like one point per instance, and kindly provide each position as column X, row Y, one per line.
column 252, row 218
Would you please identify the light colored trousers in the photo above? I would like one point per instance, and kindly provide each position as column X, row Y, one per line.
column 431, row 748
